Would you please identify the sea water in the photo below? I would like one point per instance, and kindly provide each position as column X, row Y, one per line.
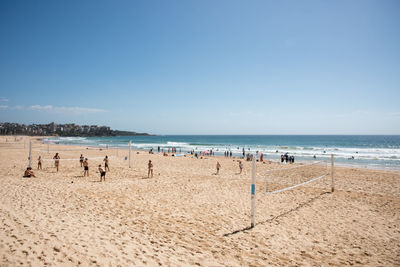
column 373, row 151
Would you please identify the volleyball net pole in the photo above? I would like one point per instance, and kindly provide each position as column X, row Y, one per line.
column 253, row 194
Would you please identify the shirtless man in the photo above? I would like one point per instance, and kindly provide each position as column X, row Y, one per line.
column 86, row 167
column 150, row 167
column 102, row 173
column 39, row 164
column 106, row 164
column 57, row 161
column 218, row 167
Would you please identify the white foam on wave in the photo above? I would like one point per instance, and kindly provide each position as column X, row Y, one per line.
column 72, row 141
column 388, row 155
column 362, row 153
column 181, row 145
column 177, row 144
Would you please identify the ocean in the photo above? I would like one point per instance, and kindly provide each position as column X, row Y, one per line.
column 370, row 151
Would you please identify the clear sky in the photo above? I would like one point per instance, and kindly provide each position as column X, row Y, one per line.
column 203, row 67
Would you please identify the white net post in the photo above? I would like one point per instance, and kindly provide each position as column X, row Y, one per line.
column 253, row 194
column 332, row 172
column 30, row 153
column 130, row 145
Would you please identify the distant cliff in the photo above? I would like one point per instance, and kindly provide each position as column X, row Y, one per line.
column 61, row 130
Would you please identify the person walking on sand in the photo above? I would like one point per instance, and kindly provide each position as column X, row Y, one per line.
column 102, row 173
column 106, row 164
column 86, row 167
column 240, row 167
column 56, row 161
column 218, row 167
column 150, row 167
column 39, row 164
column 81, row 158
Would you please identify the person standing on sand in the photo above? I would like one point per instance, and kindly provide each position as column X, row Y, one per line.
column 240, row 166
column 81, row 160
column 102, row 173
column 218, row 167
column 86, row 167
column 39, row 164
column 150, row 169
column 106, row 164
column 56, row 161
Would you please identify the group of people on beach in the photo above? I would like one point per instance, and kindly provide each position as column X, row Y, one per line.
column 218, row 166
column 170, row 150
column 84, row 162
column 286, row 158
column 29, row 172
column 228, row 154
column 201, row 153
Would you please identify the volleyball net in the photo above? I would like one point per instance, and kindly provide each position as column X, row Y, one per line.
column 277, row 191
column 284, row 179
column 76, row 159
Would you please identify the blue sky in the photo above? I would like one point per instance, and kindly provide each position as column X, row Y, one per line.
column 203, row 67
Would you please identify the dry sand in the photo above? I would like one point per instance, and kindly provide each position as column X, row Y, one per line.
column 185, row 215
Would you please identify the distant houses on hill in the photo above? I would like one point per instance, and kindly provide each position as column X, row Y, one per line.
column 70, row 129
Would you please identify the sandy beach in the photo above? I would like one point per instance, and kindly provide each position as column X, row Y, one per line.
column 185, row 215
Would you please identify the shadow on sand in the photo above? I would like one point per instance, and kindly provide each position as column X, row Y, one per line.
column 280, row 215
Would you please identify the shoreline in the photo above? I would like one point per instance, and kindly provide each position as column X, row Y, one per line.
column 341, row 164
